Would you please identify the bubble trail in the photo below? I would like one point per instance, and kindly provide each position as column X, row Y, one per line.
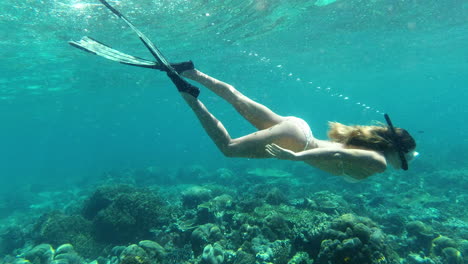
column 329, row 91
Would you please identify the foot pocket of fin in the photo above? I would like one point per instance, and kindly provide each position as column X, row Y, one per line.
column 183, row 66
column 183, row 86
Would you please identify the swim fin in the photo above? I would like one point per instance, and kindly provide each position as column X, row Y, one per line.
column 161, row 63
column 95, row 47
column 98, row 48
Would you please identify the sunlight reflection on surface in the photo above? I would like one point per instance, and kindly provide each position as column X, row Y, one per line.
column 79, row 5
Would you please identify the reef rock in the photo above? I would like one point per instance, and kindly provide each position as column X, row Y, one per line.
column 353, row 239
column 195, row 195
column 213, row 254
column 122, row 214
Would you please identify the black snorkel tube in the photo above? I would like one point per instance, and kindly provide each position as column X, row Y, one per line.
column 397, row 143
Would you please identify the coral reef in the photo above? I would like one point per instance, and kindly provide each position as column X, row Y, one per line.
column 57, row 228
column 45, row 254
column 203, row 235
column 354, row 239
column 259, row 221
column 213, row 254
column 195, row 195
column 121, row 213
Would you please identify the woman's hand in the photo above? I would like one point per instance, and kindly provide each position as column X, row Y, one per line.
column 279, row 152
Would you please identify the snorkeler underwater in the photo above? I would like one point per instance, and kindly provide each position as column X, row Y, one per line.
column 264, row 136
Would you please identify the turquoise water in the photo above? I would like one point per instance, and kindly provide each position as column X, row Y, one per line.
column 65, row 111
column 68, row 117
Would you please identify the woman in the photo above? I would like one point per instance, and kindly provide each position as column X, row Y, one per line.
column 354, row 151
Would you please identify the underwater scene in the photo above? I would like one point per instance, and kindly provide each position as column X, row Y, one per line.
column 105, row 163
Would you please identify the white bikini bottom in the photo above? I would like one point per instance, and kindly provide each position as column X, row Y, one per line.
column 304, row 127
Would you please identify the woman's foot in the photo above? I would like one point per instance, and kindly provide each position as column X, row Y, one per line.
column 179, row 67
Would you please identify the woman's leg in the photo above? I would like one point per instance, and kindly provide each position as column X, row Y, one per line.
column 257, row 114
column 284, row 134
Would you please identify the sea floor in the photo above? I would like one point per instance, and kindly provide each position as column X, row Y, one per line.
column 242, row 215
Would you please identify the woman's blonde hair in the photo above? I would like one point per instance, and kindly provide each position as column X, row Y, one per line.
column 377, row 138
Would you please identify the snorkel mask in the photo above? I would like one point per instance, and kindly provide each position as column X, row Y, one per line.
column 404, row 156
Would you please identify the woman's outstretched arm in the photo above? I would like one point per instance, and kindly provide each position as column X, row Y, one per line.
column 357, row 163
